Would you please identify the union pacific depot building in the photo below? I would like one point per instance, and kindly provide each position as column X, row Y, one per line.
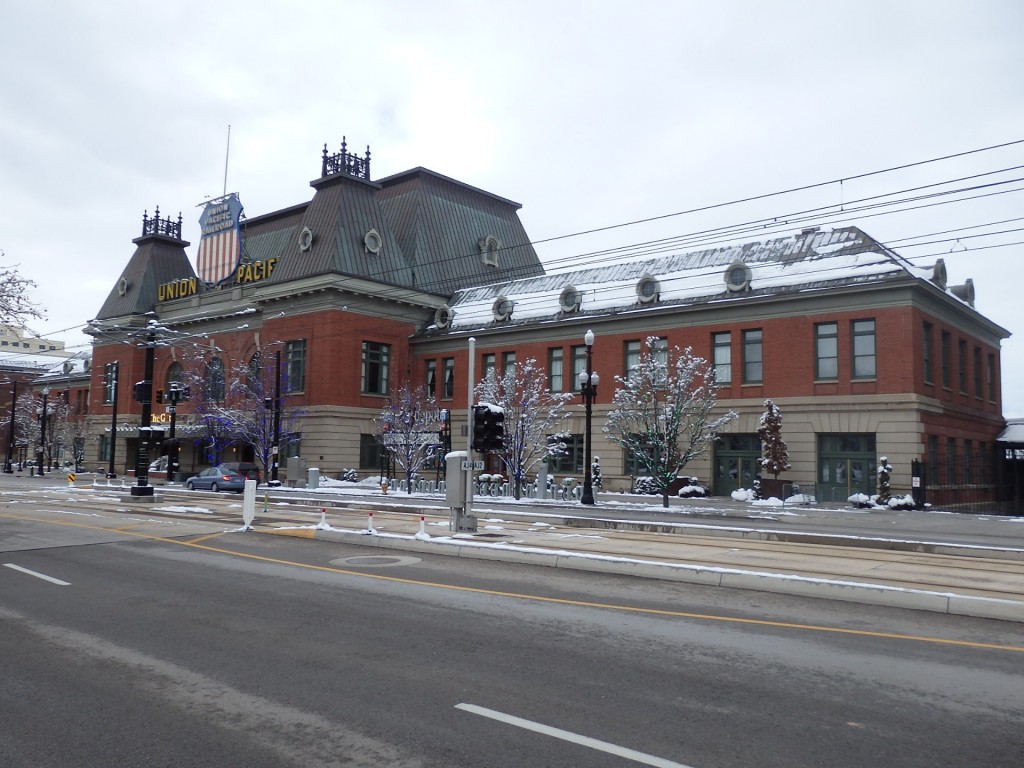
column 373, row 283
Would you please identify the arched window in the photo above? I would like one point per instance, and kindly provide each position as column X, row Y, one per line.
column 254, row 375
column 214, row 380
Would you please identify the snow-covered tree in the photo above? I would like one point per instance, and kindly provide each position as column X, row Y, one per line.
column 26, row 423
column 243, row 416
column 884, row 479
column 532, row 413
column 15, row 308
column 774, row 453
column 662, row 412
column 409, row 428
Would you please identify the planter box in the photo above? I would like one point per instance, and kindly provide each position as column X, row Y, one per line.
column 771, row 487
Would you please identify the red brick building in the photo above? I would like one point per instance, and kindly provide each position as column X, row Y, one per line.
column 372, row 283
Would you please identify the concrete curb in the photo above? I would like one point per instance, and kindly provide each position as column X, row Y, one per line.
column 847, row 591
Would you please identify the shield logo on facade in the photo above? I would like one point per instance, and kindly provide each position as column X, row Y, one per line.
column 220, row 247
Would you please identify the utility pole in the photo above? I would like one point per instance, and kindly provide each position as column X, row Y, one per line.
column 144, row 393
column 275, row 447
column 8, row 468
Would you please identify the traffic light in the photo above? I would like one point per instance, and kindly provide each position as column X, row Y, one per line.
column 480, row 414
column 160, row 396
column 488, row 428
column 143, row 390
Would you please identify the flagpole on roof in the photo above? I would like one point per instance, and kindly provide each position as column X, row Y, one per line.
column 227, row 154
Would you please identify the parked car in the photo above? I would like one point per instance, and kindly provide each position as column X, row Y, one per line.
column 220, row 478
column 247, row 468
column 160, row 465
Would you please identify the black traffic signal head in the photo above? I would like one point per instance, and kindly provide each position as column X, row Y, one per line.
column 488, row 428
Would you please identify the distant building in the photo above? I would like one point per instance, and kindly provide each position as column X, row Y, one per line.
column 19, row 340
column 373, row 283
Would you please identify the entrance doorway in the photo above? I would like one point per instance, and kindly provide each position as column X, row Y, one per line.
column 846, row 465
column 737, row 463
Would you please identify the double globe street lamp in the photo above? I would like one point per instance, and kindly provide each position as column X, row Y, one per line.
column 588, row 389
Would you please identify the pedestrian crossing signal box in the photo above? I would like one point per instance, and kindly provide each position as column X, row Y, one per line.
column 455, row 487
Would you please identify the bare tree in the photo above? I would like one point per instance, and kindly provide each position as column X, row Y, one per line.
column 236, row 405
column 409, row 429
column 15, row 308
column 775, row 454
column 532, row 414
column 662, row 412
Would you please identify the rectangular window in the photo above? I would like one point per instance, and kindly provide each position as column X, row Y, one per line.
column 104, row 448
column 431, row 381
column 449, row 379
column 982, row 463
column 660, row 351
column 508, row 363
column 991, row 377
column 631, row 356
column 951, row 460
column 946, row 353
column 109, row 382
column 572, row 460
column 371, row 452
column 752, row 356
column 826, row 350
column 295, row 355
column 926, row 351
column 933, row 459
column 376, row 368
column 489, row 366
column 968, row 461
column 961, row 349
column 579, row 364
column 555, row 369
column 721, row 346
column 978, row 373
column 863, row 332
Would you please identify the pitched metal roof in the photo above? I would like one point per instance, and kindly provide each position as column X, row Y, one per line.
column 810, row 260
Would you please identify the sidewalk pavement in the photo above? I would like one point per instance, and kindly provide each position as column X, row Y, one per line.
column 974, row 581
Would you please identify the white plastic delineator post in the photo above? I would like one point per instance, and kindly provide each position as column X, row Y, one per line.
column 423, row 524
column 323, row 517
column 369, row 523
column 249, row 504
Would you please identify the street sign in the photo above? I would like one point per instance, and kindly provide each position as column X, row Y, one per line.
column 472, row 465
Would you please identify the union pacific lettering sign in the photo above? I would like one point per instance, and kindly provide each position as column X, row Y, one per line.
column 249, row 272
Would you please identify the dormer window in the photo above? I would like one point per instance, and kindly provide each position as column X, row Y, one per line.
column 489, row 247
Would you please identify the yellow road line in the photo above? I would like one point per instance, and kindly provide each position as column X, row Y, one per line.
column 543, row 599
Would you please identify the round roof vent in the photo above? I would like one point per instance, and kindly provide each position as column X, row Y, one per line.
column 372, row 242
column 502, row 308
column 305, row 239
column 570, row 299
column 443, row 316
column 648, row 289
column 737, row 277
column 964, row 292
column 939, row 274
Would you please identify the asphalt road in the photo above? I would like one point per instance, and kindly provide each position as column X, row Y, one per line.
column 179, row 644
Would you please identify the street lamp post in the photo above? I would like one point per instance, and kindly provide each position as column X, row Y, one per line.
column 42, row 434
column 175, row 394
column 588, row 389
column 8, row 465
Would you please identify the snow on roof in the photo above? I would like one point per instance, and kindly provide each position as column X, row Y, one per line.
column 813, row 259
column 1014, row 432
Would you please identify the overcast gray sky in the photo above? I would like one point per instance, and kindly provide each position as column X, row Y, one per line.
column 590, row 114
